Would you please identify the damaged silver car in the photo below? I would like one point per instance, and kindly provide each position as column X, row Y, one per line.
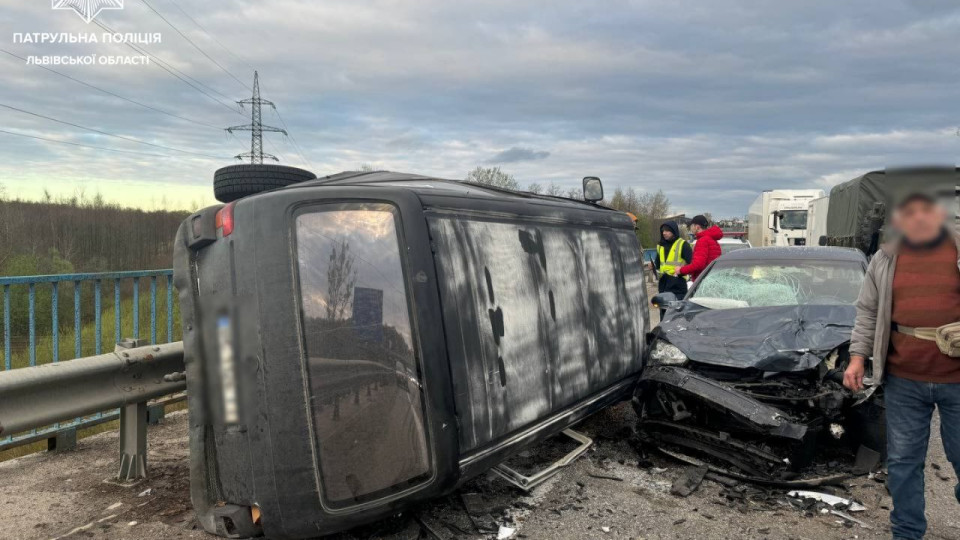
column 745, row 374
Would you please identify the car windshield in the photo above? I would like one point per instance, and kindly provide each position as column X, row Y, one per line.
column 747, row 284
column 793, row 219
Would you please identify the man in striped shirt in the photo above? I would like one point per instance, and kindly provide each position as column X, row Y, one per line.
column 912, row 283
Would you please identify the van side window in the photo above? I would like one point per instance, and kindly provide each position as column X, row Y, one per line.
column 362, row 360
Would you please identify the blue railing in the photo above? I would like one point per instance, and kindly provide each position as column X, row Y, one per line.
column 78, row 281
column 20, row 341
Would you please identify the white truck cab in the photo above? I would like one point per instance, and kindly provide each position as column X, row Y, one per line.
column 780, row 217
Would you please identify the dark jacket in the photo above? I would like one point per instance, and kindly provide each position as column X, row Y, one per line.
column 705, row 252
column 674, row 284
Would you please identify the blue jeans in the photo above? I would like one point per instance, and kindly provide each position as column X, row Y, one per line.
column 910, row 407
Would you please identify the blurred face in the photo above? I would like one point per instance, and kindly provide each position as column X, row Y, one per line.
column 695, row 229
column 667, row 234
column 920, row 220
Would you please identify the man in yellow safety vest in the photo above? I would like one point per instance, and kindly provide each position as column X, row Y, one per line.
column 673, row 252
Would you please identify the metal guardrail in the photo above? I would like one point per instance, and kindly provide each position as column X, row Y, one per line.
column 50, row 288
column 127, row 378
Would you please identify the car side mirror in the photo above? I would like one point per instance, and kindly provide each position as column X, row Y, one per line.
column 592, row 189
column 664, row 300
column 824, row 241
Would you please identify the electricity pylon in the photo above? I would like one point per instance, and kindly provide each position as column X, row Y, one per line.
column 256, row 127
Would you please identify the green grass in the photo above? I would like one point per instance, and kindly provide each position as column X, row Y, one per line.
column 20, row 353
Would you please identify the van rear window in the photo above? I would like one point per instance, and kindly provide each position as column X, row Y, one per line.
column 366, row 398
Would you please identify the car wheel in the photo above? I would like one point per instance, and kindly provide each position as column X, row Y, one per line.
column 238, row 181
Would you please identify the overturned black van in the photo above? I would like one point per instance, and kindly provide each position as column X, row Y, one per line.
column 362, row 342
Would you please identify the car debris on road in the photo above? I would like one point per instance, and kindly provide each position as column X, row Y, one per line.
column 838, row 503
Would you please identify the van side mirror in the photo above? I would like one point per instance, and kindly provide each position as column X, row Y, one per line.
column 824, row 241
column 664, row 300
column 592, row 189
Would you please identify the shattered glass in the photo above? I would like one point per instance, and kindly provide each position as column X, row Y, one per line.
column 731, row 286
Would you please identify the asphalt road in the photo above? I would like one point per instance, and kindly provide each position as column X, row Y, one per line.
column 603, row 495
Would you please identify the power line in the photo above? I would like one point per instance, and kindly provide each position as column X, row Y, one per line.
column 296, row 144
column 81, row 145
column 174, row 71
column 114, row 94
column 209, row 35
column 256, row 127
column 243, row 143
column 195, row 46
column 276, row 151
column 108, row 134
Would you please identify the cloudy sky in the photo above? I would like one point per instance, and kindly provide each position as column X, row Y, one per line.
column 711, row 101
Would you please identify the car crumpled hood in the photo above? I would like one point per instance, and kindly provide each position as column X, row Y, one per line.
column 771, row 339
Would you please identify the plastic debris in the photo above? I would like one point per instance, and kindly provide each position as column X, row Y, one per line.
column 867, row 460
column 505, row 533
column 831, row 500
column 689, row 482
column 850, row 518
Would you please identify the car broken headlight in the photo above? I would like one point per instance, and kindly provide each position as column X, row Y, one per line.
column 665, row 354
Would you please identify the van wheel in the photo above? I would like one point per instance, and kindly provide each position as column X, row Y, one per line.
column 238, row 181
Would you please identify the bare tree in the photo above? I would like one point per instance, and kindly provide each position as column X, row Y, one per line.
column 534, row 187
column 341, row 278
column 649, row 208
column 492, row 176
column 554, row 190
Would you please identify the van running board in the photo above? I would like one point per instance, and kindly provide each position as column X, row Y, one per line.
column 528, row 483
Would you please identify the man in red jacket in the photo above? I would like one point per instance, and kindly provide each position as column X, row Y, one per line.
column 705, row 251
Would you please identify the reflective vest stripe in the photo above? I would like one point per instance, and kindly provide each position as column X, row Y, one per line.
column 674, row 259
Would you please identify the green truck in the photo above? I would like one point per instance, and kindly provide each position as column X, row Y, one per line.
column 860, row 208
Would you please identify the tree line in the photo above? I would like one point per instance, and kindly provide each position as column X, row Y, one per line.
column 78, row 235
column 83, row 235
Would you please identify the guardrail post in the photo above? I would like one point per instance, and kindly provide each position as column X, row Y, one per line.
column 133, row 442
column 156, row 413
column 133, row 432
column 63, row 440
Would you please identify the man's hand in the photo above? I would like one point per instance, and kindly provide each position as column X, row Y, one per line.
column 853, row 376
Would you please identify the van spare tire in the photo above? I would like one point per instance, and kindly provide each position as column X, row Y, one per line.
column 238, row 181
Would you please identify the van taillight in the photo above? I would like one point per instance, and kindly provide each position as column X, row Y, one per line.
column 224, row 219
